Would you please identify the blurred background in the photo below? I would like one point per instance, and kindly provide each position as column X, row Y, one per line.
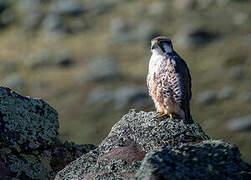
column 89, row 60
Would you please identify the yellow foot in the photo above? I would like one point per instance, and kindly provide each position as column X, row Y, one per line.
column 162, row 116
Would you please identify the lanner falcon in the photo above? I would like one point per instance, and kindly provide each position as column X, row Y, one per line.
column 169, row 81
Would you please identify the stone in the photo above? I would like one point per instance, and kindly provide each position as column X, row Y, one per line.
column 47, row 58
column 54, row 25
column 204, row 4
column 206, row 97
column 9, row 66
column 30, row 147
column 143, row 32
column 240, row 18
column 236, row 73
column 3, row 5
column 210, row 159
column 14, row 81
column 234, row 59
column 97, row 8
column 33, row 14
column 101, row 69
column 158, row 9
column 118, row 26
column 40, row 125
column 131, row 96
column 240, row 124
column 194, row 36
column 6, row 18
column 101, row 96
column 184, row 5
column 226, row 93
column 120, row 154
column 67, row 7
column 246, row 97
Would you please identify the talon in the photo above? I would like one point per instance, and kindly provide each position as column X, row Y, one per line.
column 161, row 116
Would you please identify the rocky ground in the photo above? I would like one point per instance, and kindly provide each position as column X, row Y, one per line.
column 85, row 56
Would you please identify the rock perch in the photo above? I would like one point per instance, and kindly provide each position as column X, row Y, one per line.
column 140, row 146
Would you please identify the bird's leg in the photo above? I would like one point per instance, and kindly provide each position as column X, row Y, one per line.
column 171, row 115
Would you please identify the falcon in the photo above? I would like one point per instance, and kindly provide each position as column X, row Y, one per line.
column 169, row 81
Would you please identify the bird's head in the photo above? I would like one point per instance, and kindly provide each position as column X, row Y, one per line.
column 161, row 45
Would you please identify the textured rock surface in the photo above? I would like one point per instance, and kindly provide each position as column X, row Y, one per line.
column 121, row 152
column 30, row 147
column 211, row 159
column 169, row 149
column 139, row 146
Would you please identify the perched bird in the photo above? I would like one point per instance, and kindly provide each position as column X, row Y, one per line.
column 169, row 81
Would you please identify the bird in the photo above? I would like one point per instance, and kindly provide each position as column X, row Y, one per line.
column 169, row 81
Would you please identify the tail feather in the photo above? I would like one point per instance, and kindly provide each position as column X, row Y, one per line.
column 188, row 117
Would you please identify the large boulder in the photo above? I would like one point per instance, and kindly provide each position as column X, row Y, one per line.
column 140, row 146
column 30, row 147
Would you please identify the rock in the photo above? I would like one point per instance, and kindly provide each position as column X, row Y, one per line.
column 54, row 25
column 206, row 97
column 118, row 26
column 226, row 93
column 101, row 96
column 125, row 97
column 6, row 13
column 67, row 7
column 236, row 73
column 9, row 66
column 246, row 97
column 192, row 36
column 3, row 5
column 158, row 9
column 240, row 18
column 240, row 124
column 184, row 5
column 6, row 18
column 25, row 121
column 102, row 69
column 131, row 96
column 120, row 154
column 143, row 32
column 97, row 8
column 204, row 4
column 29, row 142
column 210, row 159
column 227, row 2
column 14, row 81
column 33, row 14
column 47, row 58
column 140, row 146
column 234, row 59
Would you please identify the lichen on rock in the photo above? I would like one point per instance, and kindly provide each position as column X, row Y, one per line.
column 30, row 147
column 23, row 117
column 120, row 154
column 139, row 146
column 210, row 159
